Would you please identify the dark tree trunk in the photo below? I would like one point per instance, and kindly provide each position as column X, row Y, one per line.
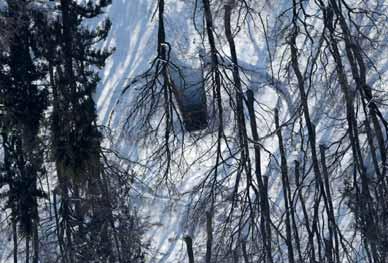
column 27, row 249
column 285, row 183
column 14, row 236
column 209, row 232
column 265, row 219
column 189, row 245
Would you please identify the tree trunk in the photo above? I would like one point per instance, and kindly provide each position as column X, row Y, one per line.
column 285, row 183
column 265, row 219
column 27, row 249
column 35, row 243
column 189, row 245
column 15, row 236
column 209, row 231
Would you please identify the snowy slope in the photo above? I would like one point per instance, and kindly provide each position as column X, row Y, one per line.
column 170, row 213
column 134, row 35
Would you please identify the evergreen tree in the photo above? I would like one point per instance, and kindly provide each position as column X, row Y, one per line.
column 23, row 103
column 76, row 139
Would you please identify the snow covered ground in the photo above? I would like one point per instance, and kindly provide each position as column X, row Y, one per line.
column 134, row 35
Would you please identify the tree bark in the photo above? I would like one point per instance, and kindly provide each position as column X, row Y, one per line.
column 285, row 183
column 189, row 245
column 265, row 219
column 209, row 232
column 15, row 236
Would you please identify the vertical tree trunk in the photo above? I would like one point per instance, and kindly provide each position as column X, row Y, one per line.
column 244, row 251
column 189, row 245
column 310, row 233
column 319, row 190
column 364, row 198
column 216, row 87
column 241, row 125
column 209, row 232
column 285, row 183
column 15, row 236
column 58, row 228
column 265, row 219
column 10, row 174
column 35, row 242
column 332, row 222
column 214, row 66
column 27, row 249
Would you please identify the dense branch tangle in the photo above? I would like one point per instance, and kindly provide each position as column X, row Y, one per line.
column 158, row 109
column 335, row 35
column 320, row 60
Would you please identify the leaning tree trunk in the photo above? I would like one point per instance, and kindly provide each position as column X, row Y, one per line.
column 285, row 184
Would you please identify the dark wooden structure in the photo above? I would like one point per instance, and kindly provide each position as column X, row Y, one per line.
column 191, row 97
column 194, row 111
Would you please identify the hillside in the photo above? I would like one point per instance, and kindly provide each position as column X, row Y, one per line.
column 240, row 131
